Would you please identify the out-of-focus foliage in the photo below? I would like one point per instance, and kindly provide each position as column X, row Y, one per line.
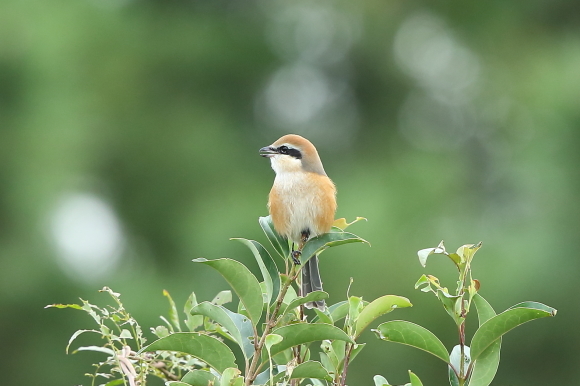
column 129, row 132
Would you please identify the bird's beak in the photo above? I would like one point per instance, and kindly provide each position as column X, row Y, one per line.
column 268, row 151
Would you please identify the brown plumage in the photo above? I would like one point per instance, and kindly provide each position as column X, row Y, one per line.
column 302, row 202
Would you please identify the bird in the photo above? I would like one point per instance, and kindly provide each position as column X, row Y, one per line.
column 301, row 203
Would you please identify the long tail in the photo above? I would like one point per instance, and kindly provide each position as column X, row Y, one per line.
column 311, row 282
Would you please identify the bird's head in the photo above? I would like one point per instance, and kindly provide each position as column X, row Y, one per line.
column 293, row 153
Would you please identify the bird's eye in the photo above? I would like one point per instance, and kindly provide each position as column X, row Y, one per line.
column 283, row 149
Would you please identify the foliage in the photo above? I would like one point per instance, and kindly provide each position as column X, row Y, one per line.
column 270, row 331
column 473, row 365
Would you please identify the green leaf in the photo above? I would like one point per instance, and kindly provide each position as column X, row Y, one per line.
column 338, row 310
column 279, row 243
column 296, row 334
column 222, row 298
column 161, row 331
column 485, row 368
column 381, row 381
column 75, row 335
column 192, row 321
column 334, row 352
column 415, row 381
column 176, row 383
column 273, row 339
column 173, row 315
column 115, row 382
column 411, row 334
column 342, row 224
column 423, row 254
column 204, row 347
column 318, row 244
column 237, row 325
column 452, row 304
column 125, row 334
column 355, row 351
column 229, row 377
column 466, row 252
column 378, row 307
column 74, row 306
column 199, row 378
column 537, row 306
column 498, row 325
column 484, row 310
column 310, row 369
column 267, row 267
column 312, row 296
column 323, row 316
column 355, row 306
column 245, row 285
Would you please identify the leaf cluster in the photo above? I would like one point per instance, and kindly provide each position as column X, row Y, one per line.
column 270, row 331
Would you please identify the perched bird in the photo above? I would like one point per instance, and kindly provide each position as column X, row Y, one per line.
column 302, row 201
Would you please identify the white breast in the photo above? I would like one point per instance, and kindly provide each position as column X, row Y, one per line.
column 301, row 198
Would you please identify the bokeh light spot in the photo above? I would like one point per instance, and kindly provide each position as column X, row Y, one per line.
column 87, row 236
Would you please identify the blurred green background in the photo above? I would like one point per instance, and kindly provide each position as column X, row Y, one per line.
column 129, row 137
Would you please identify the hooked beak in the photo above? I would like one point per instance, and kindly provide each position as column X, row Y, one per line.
column 268, row 151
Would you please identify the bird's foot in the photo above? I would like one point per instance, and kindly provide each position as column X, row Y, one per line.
column 296, row 257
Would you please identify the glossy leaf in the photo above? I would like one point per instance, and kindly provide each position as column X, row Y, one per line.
column 318, row 244
column 237, row 325
column 378, row 307
column 267, row 267
column 535, row 305
column 484, row 310
column 411, row 334
column 279, row 243
column 486, row 365
column 485, row 368
column 296, row 334
column 455, row 363
column 273, row 339
column 323, row 316
column 204, row 347
column 199, row 378
column 242, row 281
column 338, row 310
column 500, row 324
column 177, row 383
column 380, row 381
column 415, row 381
column 310, row 369
column 312, row 296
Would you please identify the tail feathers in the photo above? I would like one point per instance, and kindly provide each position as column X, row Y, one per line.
column 311, row 282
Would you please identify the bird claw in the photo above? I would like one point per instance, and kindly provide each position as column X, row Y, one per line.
column 296, row 257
